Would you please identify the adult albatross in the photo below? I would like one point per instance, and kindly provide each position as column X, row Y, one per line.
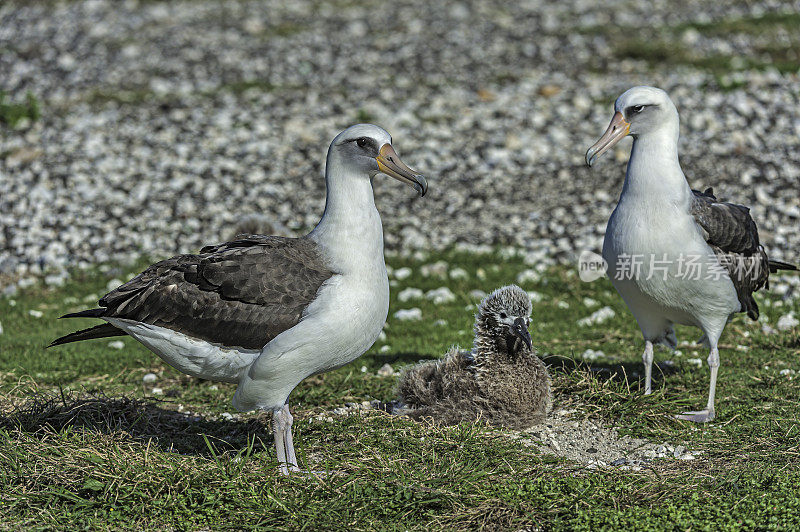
column 264, row 311
column 674, row 254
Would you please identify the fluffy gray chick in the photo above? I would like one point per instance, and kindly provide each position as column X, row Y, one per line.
column 500, row 381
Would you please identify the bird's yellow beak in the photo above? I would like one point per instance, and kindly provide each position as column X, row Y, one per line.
column 617, row 130
column 390, row 164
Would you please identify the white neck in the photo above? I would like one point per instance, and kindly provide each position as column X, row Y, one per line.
column 350, row 228
column 654, row 172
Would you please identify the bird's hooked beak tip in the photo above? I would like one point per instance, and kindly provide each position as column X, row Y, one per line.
column 421, row 185
column 390, row 164
column 591, row 157
column 616, row 131
column 520, row 329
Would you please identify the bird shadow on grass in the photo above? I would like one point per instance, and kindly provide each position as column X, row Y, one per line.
column 789, row 340
column 138, row 419
column 402, row 358
column 629, row 374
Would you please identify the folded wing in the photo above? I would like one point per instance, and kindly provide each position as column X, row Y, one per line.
column 242, row 293
column 732, row 234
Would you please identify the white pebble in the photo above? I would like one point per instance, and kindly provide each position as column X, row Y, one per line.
column 384, row 349
column 536, row 297
column 695, row 361
column 149, row 378
column 410, row 314
column 477, row 294
column 26, row 282
column 409, row 293
column 597, row 317
column 437, row 269
column 440, row 295
column 35, row 313
column 528, row 276
column 157, row 391
column 386, row 371
column 55, row 280
column 459, row 273
column 402, row 273
column 787, row 321
column 591, row 354
column 116, row 344
column 589, row 302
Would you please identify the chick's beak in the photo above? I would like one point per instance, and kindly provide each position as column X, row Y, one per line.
column 390, row 164
column 617, row 130
column 520, row 330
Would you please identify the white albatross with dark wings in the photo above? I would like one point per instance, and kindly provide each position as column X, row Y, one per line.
column 674, row 254
column 264, row 311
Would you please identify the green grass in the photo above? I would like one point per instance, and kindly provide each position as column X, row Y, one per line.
column 14, row 113
column 773, row 42
column 756, row 25
column 83, row 444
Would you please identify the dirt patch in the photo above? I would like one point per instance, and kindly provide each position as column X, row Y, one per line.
column 565, row 434
column 594, row 443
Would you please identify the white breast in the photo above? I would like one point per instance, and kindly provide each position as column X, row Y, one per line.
column 342, row 322
column 662, row 267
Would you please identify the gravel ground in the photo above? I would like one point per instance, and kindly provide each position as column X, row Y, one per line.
column 595, row 444
column 566, row 434
column 165, row 123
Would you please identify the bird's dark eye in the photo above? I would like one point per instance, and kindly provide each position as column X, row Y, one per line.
column 633, row 109
column 362, row 142
column 502, row 315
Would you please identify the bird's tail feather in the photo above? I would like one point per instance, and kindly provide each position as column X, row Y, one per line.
column 100, row 331
column 776, row 265
column 89, row 313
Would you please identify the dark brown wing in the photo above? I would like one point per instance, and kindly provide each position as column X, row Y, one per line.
column 732, row 234
column 242, row 293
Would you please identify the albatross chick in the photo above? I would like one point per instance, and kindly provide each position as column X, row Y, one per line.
column 500, row 381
